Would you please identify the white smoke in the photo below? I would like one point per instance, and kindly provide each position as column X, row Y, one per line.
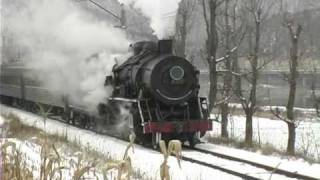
column 58, row 38
column 161, row 12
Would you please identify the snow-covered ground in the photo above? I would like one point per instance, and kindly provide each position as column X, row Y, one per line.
column 32, row 157
column 235, row 166
column 31, row 150
column 144, row 160
column 291, row 165
column 274, row 132
column 147, row 161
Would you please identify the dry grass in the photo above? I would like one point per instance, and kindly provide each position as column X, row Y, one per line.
column 54, row 161
column 50, row 166
column 266, row 149
column 124, row 166
column 16, row 129
column 175, row 148
column 13, row 164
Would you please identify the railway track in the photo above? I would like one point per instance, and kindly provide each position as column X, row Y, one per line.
column 239, row 167
column 229, row 164
column 273, row 169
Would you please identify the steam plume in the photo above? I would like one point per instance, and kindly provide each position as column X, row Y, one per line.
column 161, row 12
column 59, row 39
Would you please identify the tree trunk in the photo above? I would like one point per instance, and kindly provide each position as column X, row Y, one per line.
column 293, row 65
column 250, row 109
column 293, row 78
column 213, row 86
column 236, row 69
column 291, row 138
column 224, row 120
column 212, row 45
column 291, row 100
column 234, row 56
column 249, row 131
column 227, row 79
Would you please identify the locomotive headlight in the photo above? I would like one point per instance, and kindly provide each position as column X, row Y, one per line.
column 176, row 73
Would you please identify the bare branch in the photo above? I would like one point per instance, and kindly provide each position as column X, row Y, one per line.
column 227, row 55
column 277, row 114
column 224, row 100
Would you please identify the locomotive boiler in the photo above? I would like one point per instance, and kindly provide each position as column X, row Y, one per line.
column 163, row 92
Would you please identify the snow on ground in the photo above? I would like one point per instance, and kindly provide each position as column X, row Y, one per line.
column 146, row 161
column 30, row 150
column 298, row 166
column 274, row 132
column 235, row 166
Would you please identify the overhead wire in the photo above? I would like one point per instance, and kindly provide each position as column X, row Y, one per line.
column 106, row 10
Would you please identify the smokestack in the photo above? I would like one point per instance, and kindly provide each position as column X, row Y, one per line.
column 165, row 46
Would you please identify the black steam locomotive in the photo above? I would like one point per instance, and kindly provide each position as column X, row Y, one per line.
column 155, row 94
column 163, row 91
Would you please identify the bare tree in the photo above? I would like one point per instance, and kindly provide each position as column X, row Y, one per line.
column 183, row 25
column 249, row 103
column 227, row 77
column 257, row 11
column 294, row 31
column 233, row 34
column 209, row 8
column 235, row 64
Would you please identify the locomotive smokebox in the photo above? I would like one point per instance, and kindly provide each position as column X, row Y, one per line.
column 156, row 73
column 165, row 46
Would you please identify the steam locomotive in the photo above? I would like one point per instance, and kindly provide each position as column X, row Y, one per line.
column 164, row 89
column 159, row 92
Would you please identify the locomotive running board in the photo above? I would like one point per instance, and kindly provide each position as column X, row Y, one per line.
column 122, row 99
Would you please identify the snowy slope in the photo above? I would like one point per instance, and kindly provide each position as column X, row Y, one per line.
column 147, row 161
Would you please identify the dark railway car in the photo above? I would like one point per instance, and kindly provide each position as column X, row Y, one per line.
column 20, row 88
column 16, row 81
